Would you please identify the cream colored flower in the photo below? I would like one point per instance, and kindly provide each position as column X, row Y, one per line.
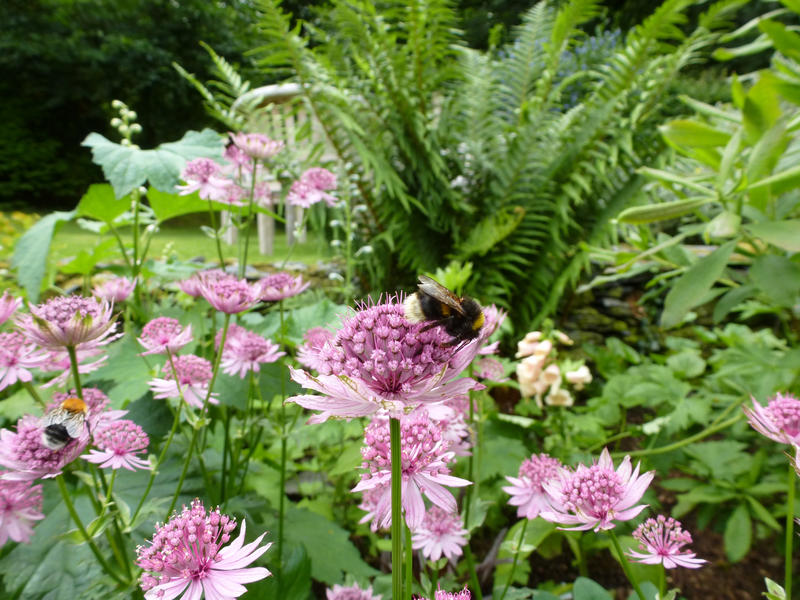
column 527, row 345
column 579, row 377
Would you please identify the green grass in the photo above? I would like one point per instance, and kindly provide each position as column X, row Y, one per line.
column 187, row 242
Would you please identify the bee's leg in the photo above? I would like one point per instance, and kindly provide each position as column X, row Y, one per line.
column 432, row 324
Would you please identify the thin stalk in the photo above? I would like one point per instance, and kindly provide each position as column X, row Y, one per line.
column 34, row 394
column 216, row 234
column 685, row 441
column 183, row 474
column 625, row 566
column 62, row 487
column 473, row 573
column 787, row 579
column 575, row 545
column 409, row 563
column 225, row 449
column 662, row 582
column 517, row 552
column 282, row 490
column 249, row 221
column 73, row 365
column 397, row 517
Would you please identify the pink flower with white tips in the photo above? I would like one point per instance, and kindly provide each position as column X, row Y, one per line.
column 526, row 490
column 424, row 458
column 8, row 305
column 191, row 377
column 191, row 286
column 67, row 321
column 257, row 145
column 596, row 496
column 17, row 356
column 164, row 335
column 313, row 341
column 440, row 534
column 312, row 188
column 229, row 294
column 115, row 290
column 779, row 420
column 204, row 176
column 663, row 540
column 117, row 445
column 442, row 595
column 351, row 592
column 20, row 505
column 245, row 351
column 280, row 286
column 187, row 557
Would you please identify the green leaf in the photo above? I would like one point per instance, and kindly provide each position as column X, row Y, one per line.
column 691, row 288
column 783, row 234
column 127, row 371
column 167, row 205
column 687, row 364
column 587, row 589
column 774, row 590
column 761, row 513
column 86, row 261
column 779, row 183
column 785, row 41
column 328, row 546
column 127, row 167
column 490, row 231
column 100, row 203
column 777, row 277
column 761, row 108
column 694, row 134
column 296, row 578
column 640, row 215
column 738, row 534
column 31, row 250
column 730, row 300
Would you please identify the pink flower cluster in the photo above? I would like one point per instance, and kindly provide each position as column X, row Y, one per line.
column 663, row 540
column 778, row 421
column 245, row 351
column 312, row 187
column 188, row 377
column 527, row 490
column 188, row 554
column 118, row 443
column 20, row 506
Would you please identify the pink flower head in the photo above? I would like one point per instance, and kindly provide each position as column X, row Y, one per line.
column 237, row 157
column 164, row 335
column 23, row 453
column 118, row 443
column 313, row 341
column 256, row 145
column 69, row 321
column 352, row 592
column 779, row 420
column 17, row 356
column 8, row 305
column 187, row 552
column 204, row 176
column 451, row 416
column 233, row 195
column 191, row 377
column 663, row 539
column 440, row 534
column 312, row 188
column 596, row 496
column 245, row 351
column 442, row 595
column 376, row 502
column 490, row 368
column 379, row 361
column 229, row 294
column 115, row 290
column 280, row 286
column 526, row 490
column 191, row 286
column 424, row 458
column 20, row 505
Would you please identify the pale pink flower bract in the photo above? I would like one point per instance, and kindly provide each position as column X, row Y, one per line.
column 204, row 176
column 312, row 187
column 68, row 321
column 779, row 420
column 8, row 305
column 17, row 357
column 350, row 592
column 257, row 145
column 279, row 286
column 190, row 377
column 526, row 490
column 440, row 534
column 117, row 445
column 229, row 294
column 164, row 335
column 245, row 351
column 20, row 505
column 663, row 540
column 115, row 290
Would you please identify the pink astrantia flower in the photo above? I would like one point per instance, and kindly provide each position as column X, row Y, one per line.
column 442, row 595
column 8, row 305
column 379, row 361
column 164, row 335
column 312, row 188
column 115, row 290
column 424, row 457
column 596, row 496
column 69, row 321
column 440, row 534
column 20, row 505
column 229, row 294
column 526, row 490
column 376, row 502
column 280, row 286
column 451, row 416
column 187, row 557
column 663, row 540
column 779, row 420
column 313, row 341
column 237, row 157
column 490, row 368
column 17, row 356
column 191, row 286
column 244, row 351
column 204, row 176
column 351, row 592
column 117, row 445
column 256, row 145
column 193, row 377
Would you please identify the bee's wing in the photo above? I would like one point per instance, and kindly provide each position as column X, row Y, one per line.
column 57, row 415
column 436, row 290
column 74, row 424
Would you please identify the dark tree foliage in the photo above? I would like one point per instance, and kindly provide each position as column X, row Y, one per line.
column 63, row 61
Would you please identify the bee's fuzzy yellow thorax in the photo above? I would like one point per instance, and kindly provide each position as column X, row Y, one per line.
column 74, row 404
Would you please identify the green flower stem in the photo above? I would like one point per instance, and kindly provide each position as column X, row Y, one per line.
column 34, row 394
column 517, row 552
column 62, row 487
column 409, row 569
column 183, row 473
column 225, row 452
column 787, row 581
column 685, row 441
column 662, row 581
column 574, row 544
column 282, row 490
column 154, row 469
column 216, row 235
column 397, row 517
column 73, row 365
column 217, row 360
column 249, row 220
column 625, row 566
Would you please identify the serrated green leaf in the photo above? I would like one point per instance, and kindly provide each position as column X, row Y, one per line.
column 691, row 288
column 100, row 203
column 32, row 249
column 738, row 534
column 127, row 371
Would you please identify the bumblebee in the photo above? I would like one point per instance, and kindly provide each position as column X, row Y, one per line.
column 64, row 423
column 462, row 318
